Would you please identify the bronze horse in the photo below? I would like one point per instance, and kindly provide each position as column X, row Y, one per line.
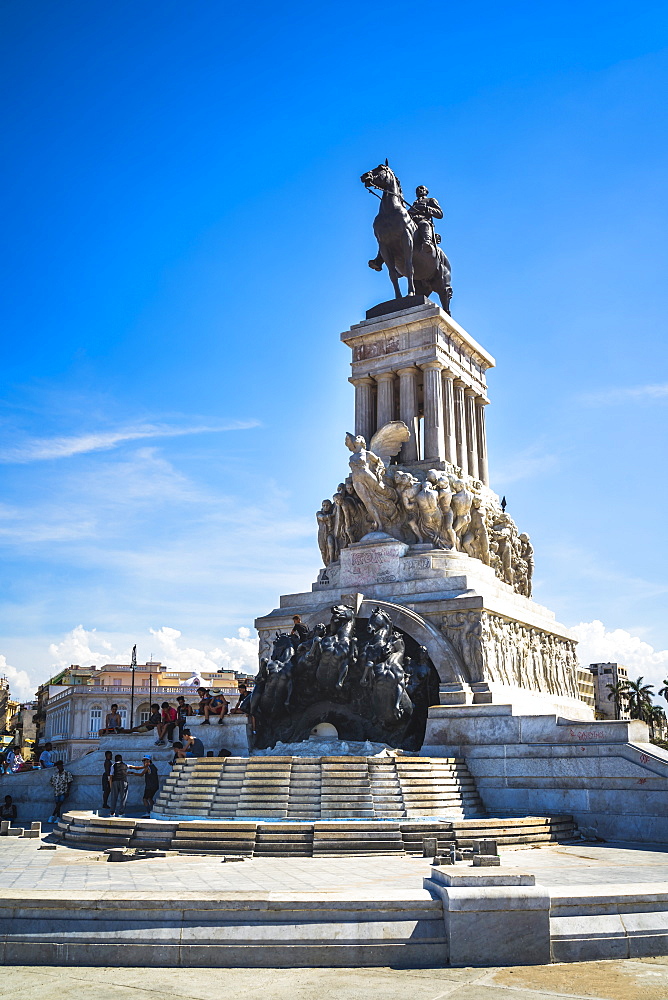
column 425, row 267
column 383, row 657
column 273, row 686
column 331, row 654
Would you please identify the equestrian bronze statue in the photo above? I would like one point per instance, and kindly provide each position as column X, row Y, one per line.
column 407, row 241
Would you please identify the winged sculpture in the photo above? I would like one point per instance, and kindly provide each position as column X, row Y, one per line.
column 372, row 485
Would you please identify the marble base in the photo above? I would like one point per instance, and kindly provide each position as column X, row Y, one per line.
column 488, row 643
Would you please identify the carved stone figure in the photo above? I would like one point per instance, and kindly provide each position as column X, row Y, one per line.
column 408, row 247
column 502, row 533
column 373, row 487
column 439, row 508
column 326, row 532
column 461, row 508
column 441, row 483
column 476, row 540
column 430, row 516
column 408, row 487
column 527, row 555
column 464, row 629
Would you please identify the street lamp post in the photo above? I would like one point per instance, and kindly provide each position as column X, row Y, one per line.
column 132, row 690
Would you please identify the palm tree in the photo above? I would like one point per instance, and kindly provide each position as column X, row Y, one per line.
column 655, row 717
column 618, row 692
column 663, row 692
column 639, row 696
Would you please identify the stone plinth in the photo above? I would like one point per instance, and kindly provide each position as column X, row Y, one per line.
column 488, row 643
column 492, row 919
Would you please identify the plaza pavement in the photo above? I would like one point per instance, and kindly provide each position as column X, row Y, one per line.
column 24, row 867
column 642, row 979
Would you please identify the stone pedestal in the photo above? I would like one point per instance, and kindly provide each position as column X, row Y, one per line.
column 488, row 643
column 492, row 919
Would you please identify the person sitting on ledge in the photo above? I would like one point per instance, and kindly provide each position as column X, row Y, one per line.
column 45, row 758
column 153, row 720
column 180, row 753
column 113, row 722
column 204, row 699
column 299, row 630
column 167, row 725
column 243, row 694
column 217, row 706
column 8, row 809
column 192, row 743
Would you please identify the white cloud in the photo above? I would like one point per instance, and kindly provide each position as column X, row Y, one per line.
column 236, row 653
column 625, row 394
column 598, row 645
column 77, row 647
column 41, row 449
column 20, row 685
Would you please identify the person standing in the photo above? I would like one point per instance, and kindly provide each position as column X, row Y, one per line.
column 61, row 783
column 118, row 783
column 151, row 782
column 106, row 776
column 182, row 712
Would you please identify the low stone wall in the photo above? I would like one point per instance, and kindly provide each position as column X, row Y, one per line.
column 605, row 774
column 33, row 794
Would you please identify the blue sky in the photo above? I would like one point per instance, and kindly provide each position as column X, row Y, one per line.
column 185, row 236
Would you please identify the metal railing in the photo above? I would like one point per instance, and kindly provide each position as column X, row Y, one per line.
column 100, row 691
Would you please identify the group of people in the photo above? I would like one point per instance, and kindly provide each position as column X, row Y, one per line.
column 13, row 762
column 165, row 718
column 115, row 772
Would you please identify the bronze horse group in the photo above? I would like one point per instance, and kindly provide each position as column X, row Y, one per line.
column 404, row 253
column 332, row 659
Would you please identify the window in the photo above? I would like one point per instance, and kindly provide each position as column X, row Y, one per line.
column 143, row 717
column 95, row 719
column 123, row 712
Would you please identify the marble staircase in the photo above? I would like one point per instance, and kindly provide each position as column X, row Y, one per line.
column 320, row 789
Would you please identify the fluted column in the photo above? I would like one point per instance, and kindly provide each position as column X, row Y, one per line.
column 471, row 434
column 365, row 417
column 408, row 411
column 449, row 415
column 385, row 399
column 460, row 426
column 483, row 470
column 434, row 442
